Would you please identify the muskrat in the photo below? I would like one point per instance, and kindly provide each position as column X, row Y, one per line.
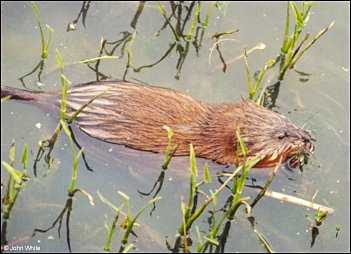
column 133, row 115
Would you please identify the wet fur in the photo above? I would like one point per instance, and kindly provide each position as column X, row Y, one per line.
column 134, row 115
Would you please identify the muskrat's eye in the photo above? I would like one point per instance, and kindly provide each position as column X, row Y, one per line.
column 282, row 136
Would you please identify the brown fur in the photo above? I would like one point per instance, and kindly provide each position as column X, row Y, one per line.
column 134, row 115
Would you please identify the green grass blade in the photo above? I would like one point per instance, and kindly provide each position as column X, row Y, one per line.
column 207, row 176
column 297, row 13
column 12, row 152
column 24, row 159
column 47, row 45
column 75, row 114
column 193, row 161
column 131, row 222
column 243, row 146
column 5, row 98
column 320, row 33
column 90, row 60
column 163, row 12
column 285, row 45
column 199, row 240
column 249, row 82
column 208, row 14
column 36, row 12
column 16, row 175
column 193, row 25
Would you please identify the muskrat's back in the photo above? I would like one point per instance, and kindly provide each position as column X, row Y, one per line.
column 134, row 115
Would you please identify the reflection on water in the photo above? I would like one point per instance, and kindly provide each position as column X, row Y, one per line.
column 173, row 50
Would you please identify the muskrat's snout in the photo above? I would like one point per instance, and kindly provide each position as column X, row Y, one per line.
column 306, row 148
column 307, row 139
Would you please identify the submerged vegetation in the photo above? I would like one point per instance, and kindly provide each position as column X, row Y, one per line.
column 44, row 48
column 290, row 53
column 188, row 23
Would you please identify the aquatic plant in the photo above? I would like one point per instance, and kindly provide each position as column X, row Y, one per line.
column 127, row 223
column 16, row 181
column 44, row 46
column 290, row 53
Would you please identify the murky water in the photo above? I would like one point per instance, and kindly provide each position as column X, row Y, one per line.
column 323, row 101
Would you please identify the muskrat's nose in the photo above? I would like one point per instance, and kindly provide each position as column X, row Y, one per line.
column 306, row 136
column 310, row 148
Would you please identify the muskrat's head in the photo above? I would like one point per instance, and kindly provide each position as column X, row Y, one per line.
column 273, row 137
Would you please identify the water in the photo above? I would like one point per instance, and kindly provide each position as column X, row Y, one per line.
column 324, row 101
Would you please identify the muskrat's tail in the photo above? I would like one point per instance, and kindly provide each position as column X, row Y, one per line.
column 19, row 94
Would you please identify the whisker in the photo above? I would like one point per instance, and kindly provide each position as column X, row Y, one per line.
column 309, row 119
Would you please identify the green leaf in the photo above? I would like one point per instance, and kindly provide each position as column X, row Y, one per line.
column 193, row 161
column 13, row 172
column 131, row 222
column 169, row 131
column 105, row 224
column 76, row 159
column 249, row 82
column 65, row 79
column 35, row 9
column 161, row 8
column 65, row 128
column 5, row 98
column 193, row 25
column 73, row 116
column 242, row 143
column 207, row 176
column 309, row 3
column 285, row 45
column 164, row 14
column 205, row 23
column 98, row 58
column 212, row 241
column 199, row 240
column 12, row 152
column 125, row 196
column 213, row 195
column 24, row 155
column 106, row 201
column 59, row 59
column 298, row 16
column 128, row 248
column 183, row 207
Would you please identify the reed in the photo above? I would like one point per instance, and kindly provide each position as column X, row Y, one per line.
column 63, row 118
column 127, row 223
column 190, row 214
column 162, row 10
column 111, row 230
column 254, row 88
column 5, row 98
column 45, row 44
column 95, row 59
column 75, row 158
column 168, row 155
column 195, row 20
column 16, row 181
column 291, row 50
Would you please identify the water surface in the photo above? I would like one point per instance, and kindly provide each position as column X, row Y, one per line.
column 323, row 101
